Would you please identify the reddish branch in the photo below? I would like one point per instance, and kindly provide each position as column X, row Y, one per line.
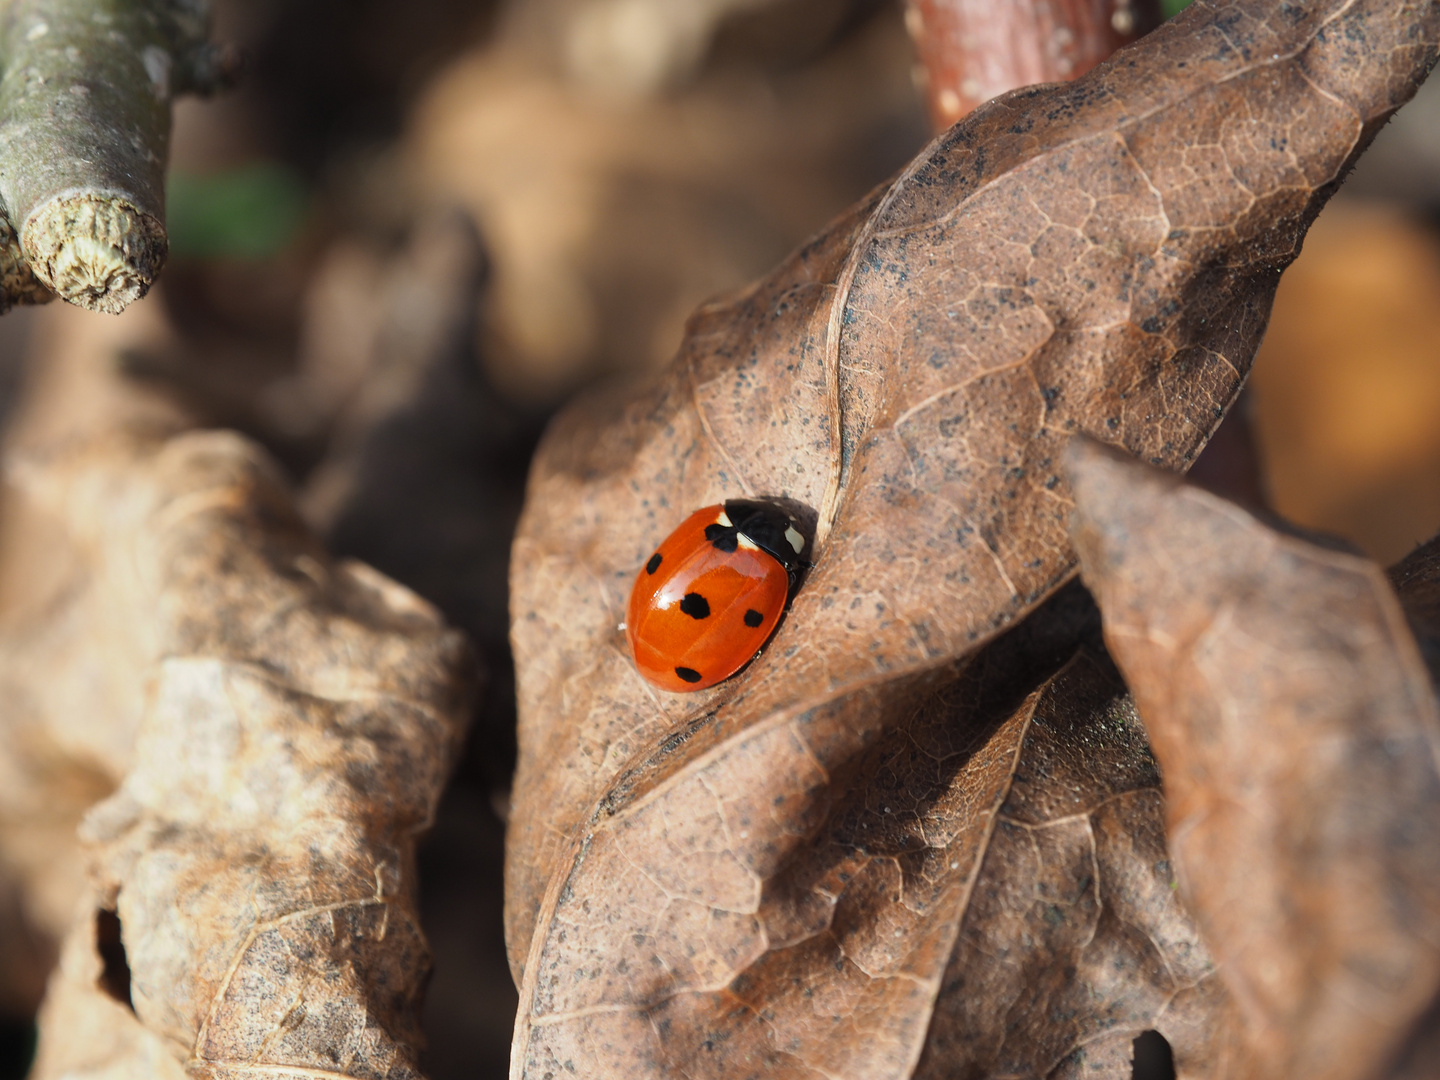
column 972, row 50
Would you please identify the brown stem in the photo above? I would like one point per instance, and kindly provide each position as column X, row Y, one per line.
column 973, row 50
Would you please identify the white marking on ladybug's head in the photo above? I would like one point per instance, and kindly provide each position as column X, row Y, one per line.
column 723, row 519
column 746, row 544
column 796, row 540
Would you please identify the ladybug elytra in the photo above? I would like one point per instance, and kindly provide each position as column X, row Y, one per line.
column 712, row 593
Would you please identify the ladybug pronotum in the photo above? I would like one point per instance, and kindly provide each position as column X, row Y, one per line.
column 712, row 593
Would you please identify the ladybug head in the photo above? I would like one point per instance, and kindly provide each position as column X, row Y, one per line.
column 766, row 525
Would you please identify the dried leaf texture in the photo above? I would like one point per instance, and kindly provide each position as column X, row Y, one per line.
column 1099, row 257
column 991, row 870
column 1298, row 734
column 294, row 720
column 1071, row 941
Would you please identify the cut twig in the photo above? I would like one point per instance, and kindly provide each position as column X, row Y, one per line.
column 84, row 132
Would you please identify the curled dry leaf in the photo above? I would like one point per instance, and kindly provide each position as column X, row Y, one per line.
column 281, row 726
column 1098, row 256
column 1299, row 736
column 627, row 218
column 638, row 47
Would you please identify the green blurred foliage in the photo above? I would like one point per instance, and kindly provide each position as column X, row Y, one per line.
column 1171, row 8
column 252, row 212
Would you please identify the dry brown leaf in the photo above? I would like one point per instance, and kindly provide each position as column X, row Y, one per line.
column 993, row 869
column 608, row 225
column 629, row 48
column 1068, row 941
column 626, row 50
column 1298, row 732
column 280, row 725
column 1098, row 257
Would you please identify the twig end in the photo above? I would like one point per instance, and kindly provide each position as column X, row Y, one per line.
column 95, row 250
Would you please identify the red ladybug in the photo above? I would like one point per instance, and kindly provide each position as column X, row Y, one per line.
column 712, row 593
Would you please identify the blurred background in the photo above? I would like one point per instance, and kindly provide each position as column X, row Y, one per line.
column 406, row 239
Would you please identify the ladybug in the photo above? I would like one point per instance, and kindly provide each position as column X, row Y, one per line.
column 713, row 593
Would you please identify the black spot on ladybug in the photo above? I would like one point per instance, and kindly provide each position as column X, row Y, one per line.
column 753, row 618
column 696, row 606
column 688, row 674
column 724, row 537
column 653, row 564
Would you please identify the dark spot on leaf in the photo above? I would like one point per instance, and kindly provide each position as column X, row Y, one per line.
column 696, row 606
column 653, row 564
column 688, row 674
column 753, row 617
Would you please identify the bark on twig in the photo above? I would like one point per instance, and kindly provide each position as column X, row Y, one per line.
column 84, row 132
